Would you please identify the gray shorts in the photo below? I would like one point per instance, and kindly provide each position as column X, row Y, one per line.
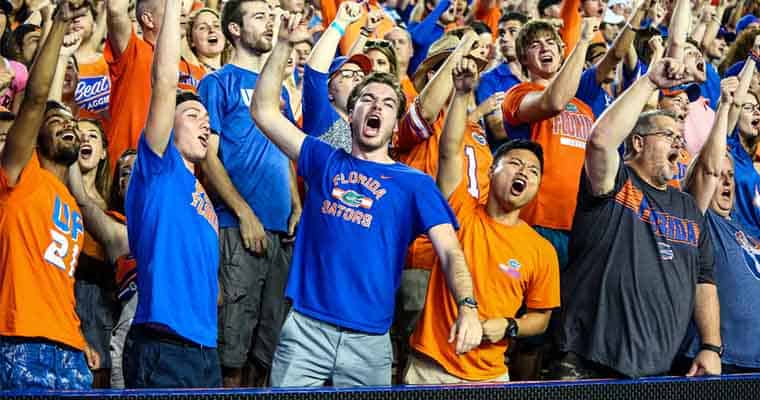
column 311, row 352
column 97, row 308
column 253, row 299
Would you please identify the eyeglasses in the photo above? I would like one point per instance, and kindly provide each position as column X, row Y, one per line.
column 378, row 44
column 750, row 107
column 670, row 136
column 351, row 73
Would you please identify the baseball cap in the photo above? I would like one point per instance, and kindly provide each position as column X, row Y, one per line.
column 364, row 63
column 745, row 21
column 726, row 35
column 692, row 90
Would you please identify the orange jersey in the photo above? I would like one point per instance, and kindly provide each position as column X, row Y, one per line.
column 489, row 16
column 130, row 92
column 329, row 9
column 41, row 235
column 410, row 92
column 418, row 145
column 93, row 91
column 509, row 265
column 563, row 138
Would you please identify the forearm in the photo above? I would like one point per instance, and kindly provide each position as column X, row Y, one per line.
column 450, row 146
column 268, row 87
column 324, row 51
column 679, row 29
column 46, row 63
column 745, row 80
column 165, row 68
column 707, row 314
column 457, row 274
column 533, row 323
column 496, row 126
column 617, row 122
column 565, row 85
column 295, row 196
column 437, row 92
column 712, row 28
column 56, row 87
column 221, row 183
column 358, row 46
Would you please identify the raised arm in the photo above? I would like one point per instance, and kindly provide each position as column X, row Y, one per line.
column 324, row 51
column 119, row 24
column 22, row 135
column 265, row 106
column 679, row 29
column 465, row 76
column 622, row 43
column 163, row 80
column 466, row 331
column 436, row 93
column 71, row 43
column 617, row 122
column 374, row 18
column 537, row 106
column 713, row 26
column 111, row 234
column 745, row 81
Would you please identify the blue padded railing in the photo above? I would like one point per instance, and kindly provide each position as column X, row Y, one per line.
column 728, row 387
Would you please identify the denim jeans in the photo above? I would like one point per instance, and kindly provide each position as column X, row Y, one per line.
column 38, row 364
column 157, row 360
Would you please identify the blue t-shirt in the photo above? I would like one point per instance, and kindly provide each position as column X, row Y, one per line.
column 358, row 220
column 257, row 168
column 710, row 88
column 497, row 79
column 173, row 235
column 320, row 118
column 592, row 93
column 747, row 204
column 737, row 274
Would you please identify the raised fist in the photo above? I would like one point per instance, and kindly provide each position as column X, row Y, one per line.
column 293, row 28
column 728, row 87
column 348, row 12
column 667, row 73
column 465, row 74
column 589, row 29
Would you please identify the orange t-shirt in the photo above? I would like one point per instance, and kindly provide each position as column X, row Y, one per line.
column 563, row 138
column 329, row 9
column 190, row 76
column 509, row 265
column 130, row 74
column 418, row 145
column 489, row 16
column 409, row 90
column 93, row 91
column 572, row 23
column 41, row 234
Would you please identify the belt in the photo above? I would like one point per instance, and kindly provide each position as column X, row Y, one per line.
column 165, row 336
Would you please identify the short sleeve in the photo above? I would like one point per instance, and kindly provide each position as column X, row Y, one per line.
column 214, row 98
column 430, row 208
column 28, row 178
column 413, row 129
column 148, row 163
column 461, row 201
column 587, row 199
column 543, row 289
column 319, row 114
column 118, row 64
column 512, row 101
column 706, row 272
column 313, row 158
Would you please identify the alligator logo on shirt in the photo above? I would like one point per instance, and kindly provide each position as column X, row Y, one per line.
column 352, row 198
column 92, row 93
column 511, row 268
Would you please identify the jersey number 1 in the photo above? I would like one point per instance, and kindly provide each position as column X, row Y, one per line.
column 472, row 172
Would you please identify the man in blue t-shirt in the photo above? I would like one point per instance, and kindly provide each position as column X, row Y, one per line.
column 173, row 235
column 259, row 203
column 499, row 79
column 361, row 213
column 327, row 82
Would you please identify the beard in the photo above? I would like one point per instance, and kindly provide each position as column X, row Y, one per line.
column 66, row 155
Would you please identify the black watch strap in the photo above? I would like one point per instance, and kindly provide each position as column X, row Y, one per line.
column 512, row 329
column 468, row 302
column 713, row 348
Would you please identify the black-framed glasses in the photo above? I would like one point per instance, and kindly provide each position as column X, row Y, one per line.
column 670, row 136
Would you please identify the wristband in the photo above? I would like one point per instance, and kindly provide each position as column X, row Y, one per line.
column 335, row 25
column 713, row 348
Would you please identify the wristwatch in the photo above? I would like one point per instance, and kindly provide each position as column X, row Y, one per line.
column 512, row 329
column 713, row 348
column 468, row 302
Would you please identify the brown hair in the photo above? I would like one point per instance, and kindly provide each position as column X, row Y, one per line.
column 386, row 48
column 103, row 173
column 386, row 79
column 739, row 50
column 530, row 31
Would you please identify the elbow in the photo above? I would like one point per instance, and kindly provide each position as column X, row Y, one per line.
column 554, row 103
column 598, row 141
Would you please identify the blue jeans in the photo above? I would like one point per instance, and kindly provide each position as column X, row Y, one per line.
column 27, row 363
column 154, row 359
column 310, row 352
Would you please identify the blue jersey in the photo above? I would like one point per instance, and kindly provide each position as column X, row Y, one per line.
column 497, row 79
column 173, row 236
column 257, row 168
column 592, row 93
column 737, row 274
column 710, row 88
column 747, row 204
column 358, row 220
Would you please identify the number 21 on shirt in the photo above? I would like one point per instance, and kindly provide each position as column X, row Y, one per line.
column 67, row 226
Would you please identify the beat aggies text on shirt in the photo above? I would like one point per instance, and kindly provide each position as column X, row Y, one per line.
column 349, row 202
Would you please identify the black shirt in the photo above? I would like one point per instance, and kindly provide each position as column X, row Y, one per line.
column 636, row 256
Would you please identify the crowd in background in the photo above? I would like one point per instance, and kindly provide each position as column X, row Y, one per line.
column 197, row 193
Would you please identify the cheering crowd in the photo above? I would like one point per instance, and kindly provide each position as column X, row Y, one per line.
column 289, row 193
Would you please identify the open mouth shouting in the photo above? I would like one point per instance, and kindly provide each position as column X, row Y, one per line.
column 546, row 59
column 85, row 151
column 203, row 140
column 372, row 125
column 518, row 186
column 673, row 158
column 68, row 135
column 212, row 39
